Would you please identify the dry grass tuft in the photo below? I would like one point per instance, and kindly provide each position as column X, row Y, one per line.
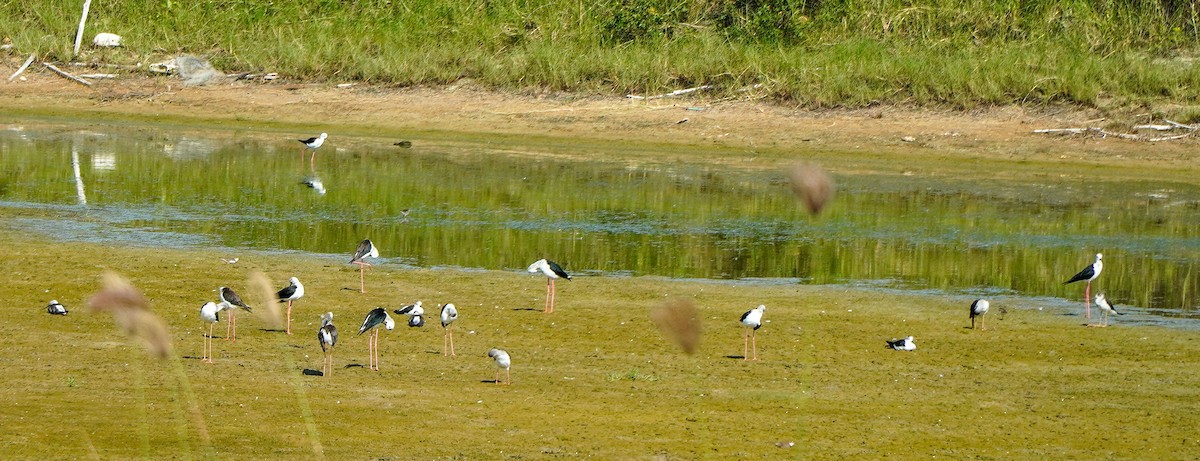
column 812, row 185
column 679, row 322
column 131, row 310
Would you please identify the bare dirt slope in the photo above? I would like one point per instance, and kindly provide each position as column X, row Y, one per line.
column 751, row 123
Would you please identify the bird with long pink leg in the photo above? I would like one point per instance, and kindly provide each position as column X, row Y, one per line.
column 553, row 272
column 365, row 249
column 378, row 316
column 1088, row 273
column 290, row 294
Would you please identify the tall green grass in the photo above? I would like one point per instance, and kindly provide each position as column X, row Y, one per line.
column 832, row 53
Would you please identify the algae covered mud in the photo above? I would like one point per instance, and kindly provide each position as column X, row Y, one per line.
column 478, row 204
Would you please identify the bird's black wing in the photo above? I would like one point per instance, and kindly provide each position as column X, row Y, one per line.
column 308, row 141
column 895, row 343
column 1084, row 274
column 374, row 318
column 286, row 292
column 558, row 270
column 973, row 313
column 229, row 295
column 364, row 247
column 747, row 314
column 405, row 310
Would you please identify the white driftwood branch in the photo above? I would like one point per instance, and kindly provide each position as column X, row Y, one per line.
column 1154, row 127
column 1180, row 125
column 22, row 68
column 673, row 93
column 87, row 4
column 66, row 75
column 1062, row 130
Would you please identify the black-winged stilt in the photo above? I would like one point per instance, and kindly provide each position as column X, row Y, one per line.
column 378, row 316
column 415, row 313
column 979, row 308
column 55, row 308
column 1088, row 273
column 449, row 315
column 752, row 319
column 291, row 293
column 211, row 315
column 365, row 249
column 905, row 344
column 502, row 361
column 1106, row 308
column 327, row 336
column 312, row 143
column 231, row 301
column 552, row 271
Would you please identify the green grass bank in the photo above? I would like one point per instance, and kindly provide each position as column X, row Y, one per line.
column 806, row 53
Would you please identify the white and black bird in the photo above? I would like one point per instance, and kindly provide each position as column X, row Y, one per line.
column 979, row 308
column 290, row 293
column 365, row 249
column 211, row 314
column 231, row 301
column 1106, row 308
column 415, row 313
column 378, row 316
column 552, row 271
column 315, row 184
column 905, row 344
column 449, row 315
column 55, row 308
column 312, row 144
column 502, row 361
column 1088, row 273
column 327, row 336
column 752, row 319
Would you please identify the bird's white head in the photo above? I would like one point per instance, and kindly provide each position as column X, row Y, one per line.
column 324, row 135
column 326, row 318
column 1099, row 257
column 388, row 322
column 53, row 301
column 295, row 281
column 762, row 308
column 1099, row 298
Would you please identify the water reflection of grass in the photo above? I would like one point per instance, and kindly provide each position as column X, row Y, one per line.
column 1036, row 384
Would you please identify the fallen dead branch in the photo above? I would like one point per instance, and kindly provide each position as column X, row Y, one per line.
column 22, row 68
column 673, row 93
column 67, row 76
column 1102, row 133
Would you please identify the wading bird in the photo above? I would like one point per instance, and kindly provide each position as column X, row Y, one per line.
column 449, row 315
column 55, row 308
column 231, row 301
column 211, row 315
column 905, row 344
column 752, row 319
column 378, row 316
column 366, row 249
column 291, row 293
column 313, row 144
column 415, row 313
column 552, row 271
column 1105, row 309
column 327, row 336
column 502, row 361
column 979, row 308
column 1088, row 273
